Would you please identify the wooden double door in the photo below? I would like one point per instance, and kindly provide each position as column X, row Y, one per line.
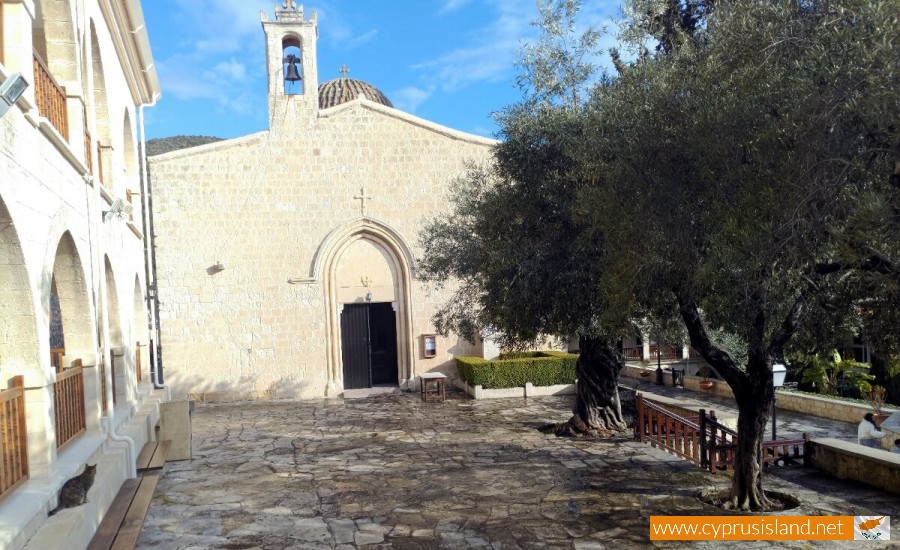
column 369, row 345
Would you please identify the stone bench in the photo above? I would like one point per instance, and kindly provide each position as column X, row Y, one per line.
column 153, row 456
column 847, row 460
column 123, row 521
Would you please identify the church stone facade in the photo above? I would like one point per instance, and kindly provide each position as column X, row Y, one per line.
column 286, row 260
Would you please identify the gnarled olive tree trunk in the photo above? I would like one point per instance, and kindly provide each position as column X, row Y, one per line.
column 597, row 409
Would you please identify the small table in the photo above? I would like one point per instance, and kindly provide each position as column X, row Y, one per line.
column 437, row 382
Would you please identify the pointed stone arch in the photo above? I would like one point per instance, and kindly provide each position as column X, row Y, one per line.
column 326, row 265
column 69, row 283
column 99, row 108
column 19, row 346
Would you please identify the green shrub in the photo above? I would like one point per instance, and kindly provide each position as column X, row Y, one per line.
column 545, row 368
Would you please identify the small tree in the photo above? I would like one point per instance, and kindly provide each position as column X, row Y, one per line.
column 525, row 263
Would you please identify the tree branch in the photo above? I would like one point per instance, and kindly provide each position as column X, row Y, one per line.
column 717, row 358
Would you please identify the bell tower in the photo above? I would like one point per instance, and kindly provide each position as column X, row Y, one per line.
column 291, row 60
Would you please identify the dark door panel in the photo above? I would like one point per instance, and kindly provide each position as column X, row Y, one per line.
column 355, row 346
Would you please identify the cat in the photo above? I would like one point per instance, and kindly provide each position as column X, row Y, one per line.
column 74, row 492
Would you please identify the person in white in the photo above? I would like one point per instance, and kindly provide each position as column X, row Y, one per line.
column 868, row 433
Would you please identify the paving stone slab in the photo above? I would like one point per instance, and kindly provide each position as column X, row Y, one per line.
column 390, row 472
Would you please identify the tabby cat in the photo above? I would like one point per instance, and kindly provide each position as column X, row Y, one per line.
column 74, row 492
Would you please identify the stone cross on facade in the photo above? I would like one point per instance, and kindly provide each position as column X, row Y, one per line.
column 363, row 197
column 343, row 70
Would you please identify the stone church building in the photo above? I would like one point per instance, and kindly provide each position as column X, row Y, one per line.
column 286, row 259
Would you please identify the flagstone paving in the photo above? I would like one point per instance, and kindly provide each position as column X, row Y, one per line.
column 393, row 472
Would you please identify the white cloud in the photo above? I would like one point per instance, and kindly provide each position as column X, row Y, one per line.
column 408, row 99
column 453, row 5
column 339, row 33
column 489, row 52
column 361, row 39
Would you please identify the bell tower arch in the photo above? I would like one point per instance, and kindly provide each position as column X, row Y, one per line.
column 291, row 59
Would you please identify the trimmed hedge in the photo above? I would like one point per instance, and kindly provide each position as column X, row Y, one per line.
column 513, row 370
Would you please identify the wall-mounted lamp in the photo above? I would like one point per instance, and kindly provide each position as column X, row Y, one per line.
column 217, row 267
column 10, row 91
column 119, row 209
column 369, row 296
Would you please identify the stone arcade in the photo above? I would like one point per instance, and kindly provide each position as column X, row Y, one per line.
column 286, row 259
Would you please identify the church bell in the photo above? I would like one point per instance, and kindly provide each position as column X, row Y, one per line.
column 293, row 74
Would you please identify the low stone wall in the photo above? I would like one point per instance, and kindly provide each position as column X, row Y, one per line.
column 824, row 407
column 846, row 460
column 528, row 390
column 719, row 389
column 813, row 405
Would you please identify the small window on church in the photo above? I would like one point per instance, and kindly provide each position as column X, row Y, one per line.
column 292, row 66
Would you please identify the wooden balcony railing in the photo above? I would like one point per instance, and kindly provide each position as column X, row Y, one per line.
column 50, row 98
column 13, row 440
column 56, row 358
column 137, row 361
column 69, row 400
column 112, row 373
column 667, row 353
column 87, row 151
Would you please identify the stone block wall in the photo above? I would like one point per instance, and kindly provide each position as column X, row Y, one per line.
column 846, row 460
column 264, row 206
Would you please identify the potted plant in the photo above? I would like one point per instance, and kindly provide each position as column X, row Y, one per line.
column 705, row 383
column 875, row 398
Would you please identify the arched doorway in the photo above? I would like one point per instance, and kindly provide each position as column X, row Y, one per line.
column 19, row 346
column 366, row 273
column 70, row 287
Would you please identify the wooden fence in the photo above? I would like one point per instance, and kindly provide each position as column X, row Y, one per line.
column 667, row 430
column 69, row 399
column 13, row 437
column 666, row 353
column 137, row 361
column 703, row 440
column 112, row 375
column 50, row 98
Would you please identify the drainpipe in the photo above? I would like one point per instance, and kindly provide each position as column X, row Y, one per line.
column 156, row 374
column 130, row 447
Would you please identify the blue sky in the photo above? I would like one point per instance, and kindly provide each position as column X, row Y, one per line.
column 449, row 61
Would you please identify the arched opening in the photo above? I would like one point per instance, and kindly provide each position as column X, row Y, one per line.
column 367, row 266
column 19, row 347
column 292, row 62
column 129, row 146
column 139, row 331
column 69, row 285
column 100, row 112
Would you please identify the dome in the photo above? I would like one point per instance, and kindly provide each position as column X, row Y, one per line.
column 343, row 89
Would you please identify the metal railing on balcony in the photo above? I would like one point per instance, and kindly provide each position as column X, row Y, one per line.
column 69, row 399
column 13, row 438
column 50, row 98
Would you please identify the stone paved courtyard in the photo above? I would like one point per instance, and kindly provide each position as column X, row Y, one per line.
column 392, row 472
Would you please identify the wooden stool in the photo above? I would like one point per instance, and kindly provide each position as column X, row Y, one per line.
column 438, row 383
